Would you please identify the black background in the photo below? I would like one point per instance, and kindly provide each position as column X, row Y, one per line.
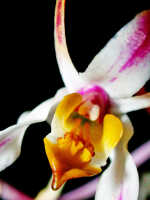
column 29, row 75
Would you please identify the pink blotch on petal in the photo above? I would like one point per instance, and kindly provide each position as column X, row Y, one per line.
column 5, row 141
column 120, row 198
column 59, row 21
column 143, row 34
column 121, row 195
column 113, row 79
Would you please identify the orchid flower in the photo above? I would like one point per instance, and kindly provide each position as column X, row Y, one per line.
column 88, row 116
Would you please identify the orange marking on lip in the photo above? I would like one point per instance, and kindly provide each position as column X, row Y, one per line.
column 69, row 158
column 72, row 154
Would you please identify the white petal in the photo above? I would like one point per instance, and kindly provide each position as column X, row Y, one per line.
column 120, row 181
column 131, row 104
column 11, row 138
column 123, row 66
column 23, row 116
column 69, row 74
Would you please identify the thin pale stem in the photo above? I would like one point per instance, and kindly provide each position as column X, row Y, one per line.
column 48, row 193
column 8, row 192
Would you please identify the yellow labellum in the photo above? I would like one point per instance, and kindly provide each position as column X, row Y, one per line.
column 72, row 153
column 68, row 160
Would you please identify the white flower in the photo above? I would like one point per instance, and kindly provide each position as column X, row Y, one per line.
column 116, row 73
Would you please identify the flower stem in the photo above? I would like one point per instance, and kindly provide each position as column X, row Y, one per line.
column 48, row 193
column 8, row 192
column 140, row 155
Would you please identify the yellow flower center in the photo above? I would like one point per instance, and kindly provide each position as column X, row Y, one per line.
column 80, row 138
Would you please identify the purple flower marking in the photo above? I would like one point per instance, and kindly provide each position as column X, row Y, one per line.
column 5, row 141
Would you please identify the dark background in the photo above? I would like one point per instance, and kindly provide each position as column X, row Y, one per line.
column 29, row 75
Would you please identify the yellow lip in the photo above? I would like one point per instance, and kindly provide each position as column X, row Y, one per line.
column 68, row 160
column 81, row 140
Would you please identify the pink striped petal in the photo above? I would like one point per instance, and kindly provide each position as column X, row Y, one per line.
column 123, row 66
column 120, row 181
column 69, row 74
column 11, row 138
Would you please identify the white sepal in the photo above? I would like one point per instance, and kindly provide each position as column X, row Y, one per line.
column 120, row 180
column 11, row 138
column 126, row 105
column 67, row 69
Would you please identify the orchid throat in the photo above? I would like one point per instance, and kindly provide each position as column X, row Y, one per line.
column 83, row 135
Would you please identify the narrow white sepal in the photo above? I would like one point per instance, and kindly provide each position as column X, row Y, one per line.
column 67, row 69
column 130, row 104
column 11, row 138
